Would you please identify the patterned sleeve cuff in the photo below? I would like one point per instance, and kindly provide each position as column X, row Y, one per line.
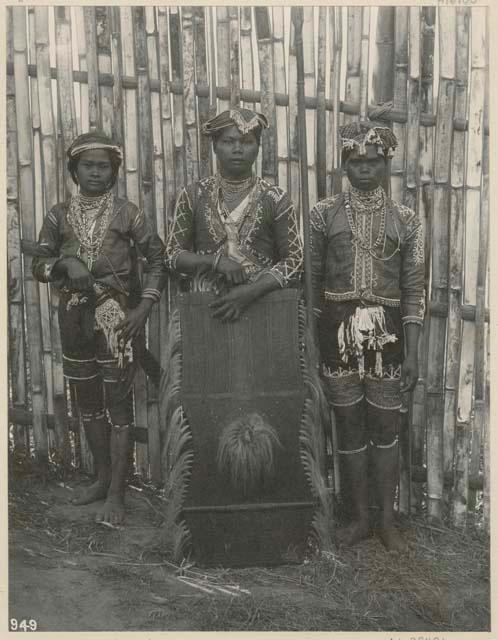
column 412, row 320
column 152, row 294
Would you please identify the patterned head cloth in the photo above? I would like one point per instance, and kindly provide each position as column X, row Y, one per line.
column 356, row 135
column 91, row 141
column 244, row 119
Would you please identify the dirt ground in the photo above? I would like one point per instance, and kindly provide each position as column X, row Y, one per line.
column 70, row 574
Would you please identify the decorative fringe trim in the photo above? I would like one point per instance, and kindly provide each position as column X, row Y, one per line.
column 177, row 458
column 177, row 454
column 107, row 317
column 314, row 423
column 365, row 328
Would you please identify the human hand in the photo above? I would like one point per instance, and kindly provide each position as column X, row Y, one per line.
column 409, row 373
column 76, row 274
column 229, row 307
column 232, row 270
column 134, row 321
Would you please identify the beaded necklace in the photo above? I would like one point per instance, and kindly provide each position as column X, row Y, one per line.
column 89, row 218
column 367, row 202
column 232, row 190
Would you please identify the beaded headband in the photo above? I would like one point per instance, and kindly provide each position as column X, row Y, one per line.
column 356, row 135
column 92, row 141
column 244, row 119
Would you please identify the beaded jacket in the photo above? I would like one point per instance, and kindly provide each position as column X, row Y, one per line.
column 267, row 230
column 373, row 256
column 114, row 265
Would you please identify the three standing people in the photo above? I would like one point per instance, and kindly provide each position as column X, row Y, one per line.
column 237, row 235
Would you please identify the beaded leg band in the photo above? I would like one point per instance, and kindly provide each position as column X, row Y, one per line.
column 385, row 446
column 352, row 451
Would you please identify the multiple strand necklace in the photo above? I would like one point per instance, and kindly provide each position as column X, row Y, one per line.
column 233, row 191
column 366, row 203
column 89, row 218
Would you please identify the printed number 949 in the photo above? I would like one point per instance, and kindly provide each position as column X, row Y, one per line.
column 23, row 625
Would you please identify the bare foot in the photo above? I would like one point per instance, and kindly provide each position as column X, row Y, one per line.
column 391, row 538
column 113, row 510
column 353, row 533
column 93, row 493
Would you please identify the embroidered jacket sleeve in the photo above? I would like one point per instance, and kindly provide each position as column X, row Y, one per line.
column 152, row 248
column 318, row 255
column 182, row 230
column 287, row 239
column 48, row 249
column 412, row 298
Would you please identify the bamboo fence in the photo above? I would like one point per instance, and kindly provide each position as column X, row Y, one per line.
column 151, row 76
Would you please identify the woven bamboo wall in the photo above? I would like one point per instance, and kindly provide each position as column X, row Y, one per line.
column 151, row 76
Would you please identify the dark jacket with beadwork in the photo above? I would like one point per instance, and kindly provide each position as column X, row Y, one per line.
column 391, row 274
column 115, row 265
column 268, row 230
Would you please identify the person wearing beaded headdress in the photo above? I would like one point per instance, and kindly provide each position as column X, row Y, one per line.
column 85, row 249
column 235, row 233
column 368, row 289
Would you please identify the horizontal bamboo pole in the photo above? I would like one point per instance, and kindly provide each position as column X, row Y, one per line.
column 253, row 96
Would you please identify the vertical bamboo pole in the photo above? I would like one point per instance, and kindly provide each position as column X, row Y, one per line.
column 364, row 61
column 411, row 199
column 383, row 74
column 117, row 93
column 166, row 115
column 84, row 88
column 90, row 52
column 26, row 186
column 440, row 249
column 17, row 356
column 130, row 107
column 155, row 106
column 188, row 56
column 486, row 435
column 280, row 78
column 148, row 203
column 310, row 90
column 64, row 63
column 104, row 59
column 39, row 214
column 202, row 80
column 223, row 52
column 233, row 21
column 50, row 178
column 335, row 87
column 413, row 110
column 269, row 136
column 169, row 163
column 353, row 48
column 132, row 175
column 457, row 217
column 400, row 100
column 177, row 76
column 476, row 235
column 425, row 202
column 246, row 52
column 321, row 118
column 295, row 183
